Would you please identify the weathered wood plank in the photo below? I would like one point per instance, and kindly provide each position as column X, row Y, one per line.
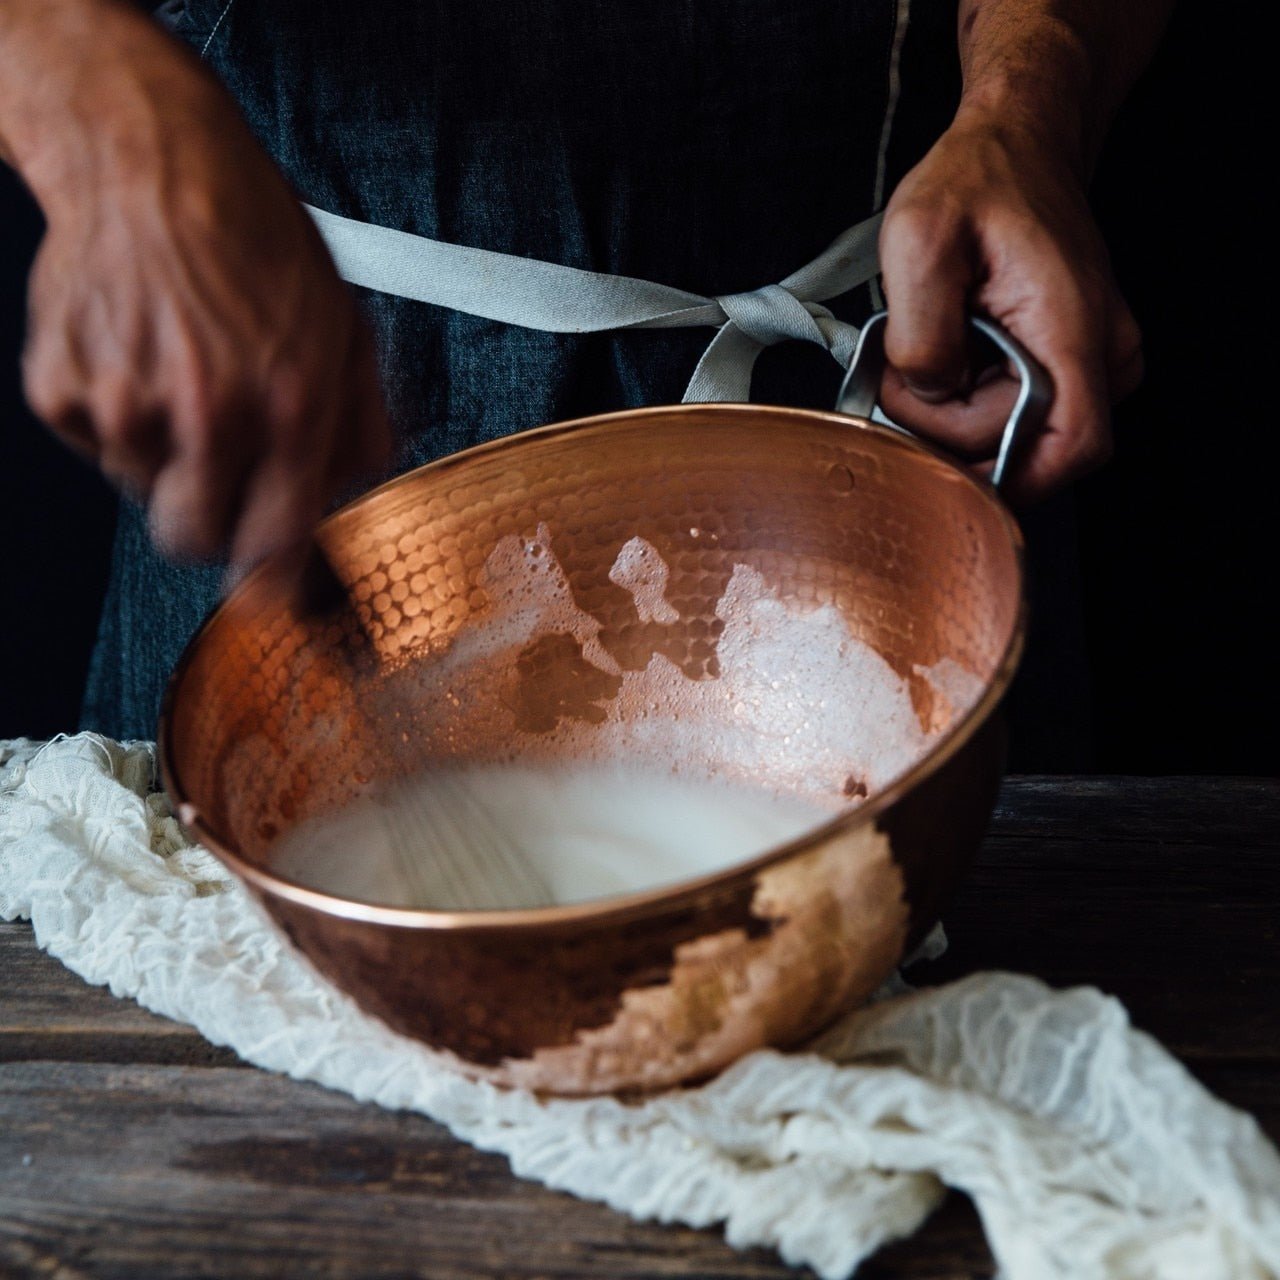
column 137, row 1172
column 1172, row 810
column 1182, row 925
column 48, row 1012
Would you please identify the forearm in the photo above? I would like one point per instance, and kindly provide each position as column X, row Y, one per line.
column 82, row 86
column 1057, row 68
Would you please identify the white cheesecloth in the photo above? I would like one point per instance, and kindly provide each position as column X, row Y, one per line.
column 1087, row 1149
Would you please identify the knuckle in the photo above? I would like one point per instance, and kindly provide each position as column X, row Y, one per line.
column 923, row 353
column 920, row 227
column 48, row 393
column 930, row 357
column 47, row 401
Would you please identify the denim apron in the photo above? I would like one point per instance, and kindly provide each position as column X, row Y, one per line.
column 702, row 149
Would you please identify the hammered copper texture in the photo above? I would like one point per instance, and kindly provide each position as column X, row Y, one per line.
column 281, row 710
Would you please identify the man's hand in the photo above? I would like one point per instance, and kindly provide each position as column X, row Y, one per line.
column 994, row 219
column 987, row 222
column 187, row 328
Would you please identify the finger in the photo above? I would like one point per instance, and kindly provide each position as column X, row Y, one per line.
column 282, row 506
column 73, row 425
column 55, row 394
column 185, row 517
column 1067, row 338
column 929, row 261
column 1062, row 455
column 1125, row 363
column 363, row 438
column 132, row 435
column 970, row 426
column 287, row 491
column 197, row 493
column 133, row 470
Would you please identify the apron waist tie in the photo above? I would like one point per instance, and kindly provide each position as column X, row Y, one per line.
column 560, row 299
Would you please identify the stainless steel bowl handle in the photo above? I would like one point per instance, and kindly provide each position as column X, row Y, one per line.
column 861, row 387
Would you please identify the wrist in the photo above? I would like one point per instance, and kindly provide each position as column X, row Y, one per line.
column 1037, row 91
column 84, row 85
column 1056, row 136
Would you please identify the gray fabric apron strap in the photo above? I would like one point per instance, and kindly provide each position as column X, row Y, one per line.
column 559, row 299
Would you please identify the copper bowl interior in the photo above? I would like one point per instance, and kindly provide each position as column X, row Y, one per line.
column 282, row 710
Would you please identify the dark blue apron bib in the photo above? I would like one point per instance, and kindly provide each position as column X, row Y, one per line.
column 712, row 145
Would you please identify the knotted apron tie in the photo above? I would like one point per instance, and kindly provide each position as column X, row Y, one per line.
column 559, row 299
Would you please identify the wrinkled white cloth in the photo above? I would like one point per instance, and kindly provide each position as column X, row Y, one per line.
column 1087, row 1149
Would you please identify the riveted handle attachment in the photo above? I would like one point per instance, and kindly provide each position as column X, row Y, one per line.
column 861, row 386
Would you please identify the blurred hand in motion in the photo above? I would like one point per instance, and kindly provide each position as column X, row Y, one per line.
column 994, row 219
column 187, row 329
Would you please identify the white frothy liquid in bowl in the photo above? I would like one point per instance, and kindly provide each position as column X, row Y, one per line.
column 803, row 719
column 496, row 836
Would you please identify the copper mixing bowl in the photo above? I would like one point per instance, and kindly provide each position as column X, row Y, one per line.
column 281, row 710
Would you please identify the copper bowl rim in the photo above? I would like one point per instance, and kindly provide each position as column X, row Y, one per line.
column 618, row 906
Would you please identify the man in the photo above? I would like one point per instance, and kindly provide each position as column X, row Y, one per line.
column 189, row 331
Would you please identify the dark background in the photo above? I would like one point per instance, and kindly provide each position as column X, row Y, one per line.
column 1175, row 536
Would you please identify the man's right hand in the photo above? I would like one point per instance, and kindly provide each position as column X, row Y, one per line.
column 187, row 327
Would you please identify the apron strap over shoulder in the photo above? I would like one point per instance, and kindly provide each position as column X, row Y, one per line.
column 559, row 299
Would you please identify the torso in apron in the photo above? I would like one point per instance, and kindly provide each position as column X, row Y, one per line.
column 711, row 145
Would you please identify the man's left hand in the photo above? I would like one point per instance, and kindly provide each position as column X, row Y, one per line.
column 995, row 220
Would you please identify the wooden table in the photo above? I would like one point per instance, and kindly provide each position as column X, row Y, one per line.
column 130, row 1148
